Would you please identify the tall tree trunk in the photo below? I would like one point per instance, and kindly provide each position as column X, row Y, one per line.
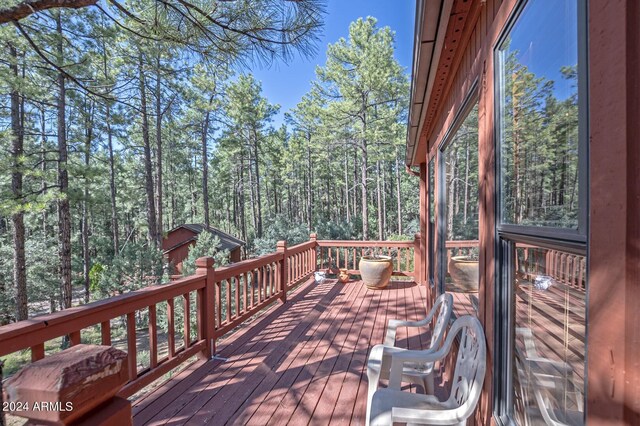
column 64, row 213
column 384, row 203
column 365, row 193
column 17, row 218
column 252, row 195
column 243, row 222
column 159, row 200
column 205, row 166
column 112, row 171
column 43, row 166
column 256, row 149
column 112, row 185
column 354, row 206
column 309, row 183
column 86, row 258
column 398, row 194
column 151, row 208
column 466, row 182
column 346, row 187
column 379, row 201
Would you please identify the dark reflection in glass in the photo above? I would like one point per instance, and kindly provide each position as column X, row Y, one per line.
column 549, row 340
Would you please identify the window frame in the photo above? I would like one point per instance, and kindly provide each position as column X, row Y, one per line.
column 580, row 233
column 508, row 235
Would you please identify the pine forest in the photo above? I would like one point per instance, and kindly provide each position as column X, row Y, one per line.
column 121, row 121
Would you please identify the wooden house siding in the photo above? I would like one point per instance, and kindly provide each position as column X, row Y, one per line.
column 613, row 322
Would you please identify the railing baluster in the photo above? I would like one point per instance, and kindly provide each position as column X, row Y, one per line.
column 237, row 287
column 153, row 337
column 260, row 283
column 37, row 352
column 105, row 333
column 187, row 320
column 229, row 299
column 171, row 336
column 131, row 346
column 219, row 303
column 74, row 338
column 246, row 291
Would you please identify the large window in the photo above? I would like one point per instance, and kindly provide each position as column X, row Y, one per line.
column 541, row 269
column 458, row 212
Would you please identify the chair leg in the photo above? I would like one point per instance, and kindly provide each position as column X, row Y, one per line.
column 429, row 384
column 373, row 377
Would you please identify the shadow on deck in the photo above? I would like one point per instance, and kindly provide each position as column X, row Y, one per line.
column 301, row 362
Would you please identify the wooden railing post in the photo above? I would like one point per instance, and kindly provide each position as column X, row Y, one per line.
column 284, row 276
column 206, row 305
column 314, row 257
column 417, row 259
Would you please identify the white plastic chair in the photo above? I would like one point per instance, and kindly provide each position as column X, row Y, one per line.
column 393, row 405
column 421, row 374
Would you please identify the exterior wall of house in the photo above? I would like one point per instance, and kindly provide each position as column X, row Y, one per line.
column 472, row 62
column 613, row 328
column 613, row 352
column 176, row 237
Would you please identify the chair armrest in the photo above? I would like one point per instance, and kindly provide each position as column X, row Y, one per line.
column 399, row 358
column 390, row 338
column 425, row 417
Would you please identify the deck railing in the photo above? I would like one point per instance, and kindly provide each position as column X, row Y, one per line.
column 346, row 254
column 224, row 299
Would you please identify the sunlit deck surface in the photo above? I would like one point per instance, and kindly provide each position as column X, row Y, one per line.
column 300, row 363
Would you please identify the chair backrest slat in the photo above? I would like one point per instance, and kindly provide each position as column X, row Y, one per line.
column 444, row 303
column 470, row 364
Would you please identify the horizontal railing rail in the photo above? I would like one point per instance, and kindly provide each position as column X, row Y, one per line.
column 334, row 255
column 199, row 309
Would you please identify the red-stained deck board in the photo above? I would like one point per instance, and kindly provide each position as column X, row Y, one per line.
column 261, row 404
column 300, row 363
column 336, row 360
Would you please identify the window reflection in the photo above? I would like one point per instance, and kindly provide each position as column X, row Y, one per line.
column 460, row 215
column 549, row 340
column 539, row 116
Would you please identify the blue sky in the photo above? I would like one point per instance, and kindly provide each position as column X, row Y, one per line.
column 546, row 37
column 285, row 84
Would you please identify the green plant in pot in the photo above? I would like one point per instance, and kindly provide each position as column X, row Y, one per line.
column 464, row 272
column 376, row 270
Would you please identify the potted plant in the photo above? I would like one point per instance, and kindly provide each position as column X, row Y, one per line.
column 464, row 272
column 376, row 271
column 343, row 276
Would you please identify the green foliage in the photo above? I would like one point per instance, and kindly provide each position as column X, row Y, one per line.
column 279, row 228
column 203, row 121
column 136, row 266
column 207, row 245
column 95, row 275
column 338, row 230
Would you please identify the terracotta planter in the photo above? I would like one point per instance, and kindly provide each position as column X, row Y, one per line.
column 376, row 271
column 464, row 273
column 343, row 277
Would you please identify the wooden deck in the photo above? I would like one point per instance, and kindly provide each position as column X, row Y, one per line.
column 300, row 363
